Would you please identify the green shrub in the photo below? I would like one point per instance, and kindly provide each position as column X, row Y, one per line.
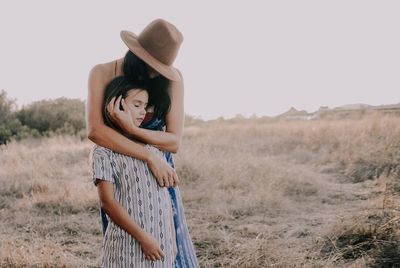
column 60, row 116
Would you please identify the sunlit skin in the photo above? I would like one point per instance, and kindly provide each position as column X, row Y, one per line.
column 131, row 116
column 136, row 101
column 168, row 140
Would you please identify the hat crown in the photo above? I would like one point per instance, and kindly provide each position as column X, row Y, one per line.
column 162, row 40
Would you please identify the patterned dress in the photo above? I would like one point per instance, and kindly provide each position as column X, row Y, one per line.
column 186, row 256
column 148, row 204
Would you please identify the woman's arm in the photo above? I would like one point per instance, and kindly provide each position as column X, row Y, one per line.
column 169, row 140
column 105, row 136
column 98, row 132
column 119, row 216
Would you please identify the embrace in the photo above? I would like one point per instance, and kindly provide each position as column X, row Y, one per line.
column 135, row 117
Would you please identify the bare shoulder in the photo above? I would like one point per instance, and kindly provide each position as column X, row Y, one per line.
column 98, row 69
column 177, row 85
column 102, row 72
column 180, row 74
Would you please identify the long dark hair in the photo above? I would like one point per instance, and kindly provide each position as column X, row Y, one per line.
column 137, row 71
column 119, row 86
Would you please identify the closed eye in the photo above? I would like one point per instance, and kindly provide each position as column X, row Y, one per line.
column 138, row 103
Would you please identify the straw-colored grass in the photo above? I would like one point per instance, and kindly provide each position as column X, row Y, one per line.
column 276, row 194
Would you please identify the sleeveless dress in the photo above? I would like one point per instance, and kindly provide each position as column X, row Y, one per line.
column 186, row 256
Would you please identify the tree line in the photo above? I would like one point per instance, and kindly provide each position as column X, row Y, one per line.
column 44, row 118
column 40, row 118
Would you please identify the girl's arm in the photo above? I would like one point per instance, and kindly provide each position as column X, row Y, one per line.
column 119, row 216
column 107, row 137
column 169, row 140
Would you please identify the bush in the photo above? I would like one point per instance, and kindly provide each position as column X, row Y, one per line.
column 7, row 106
column 61, row 116
column 9, row 124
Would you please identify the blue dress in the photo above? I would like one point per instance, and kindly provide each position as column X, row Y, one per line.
column 186, row 256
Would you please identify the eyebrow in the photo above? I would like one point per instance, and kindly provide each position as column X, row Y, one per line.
column 140, row 101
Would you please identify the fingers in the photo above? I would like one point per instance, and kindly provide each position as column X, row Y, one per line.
column 161, row 253
column 166, row 182
column 155, row 256
column 115, row 112
column 117, row 104
column 113, row 106
column 176, row 179
column 151, row 257
column 171, row 181
column 165, row 175
column 124, row 106
column 110, row 106
column 158, row 256
column 161, row 182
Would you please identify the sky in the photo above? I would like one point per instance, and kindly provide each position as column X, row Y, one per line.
column 238, row 57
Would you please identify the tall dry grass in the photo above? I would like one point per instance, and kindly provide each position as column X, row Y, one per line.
column 48, row 207
column 276, row 194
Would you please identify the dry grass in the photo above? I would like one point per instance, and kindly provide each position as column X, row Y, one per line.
column 277, row 194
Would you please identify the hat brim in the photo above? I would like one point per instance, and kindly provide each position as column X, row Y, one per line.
column 131, row 41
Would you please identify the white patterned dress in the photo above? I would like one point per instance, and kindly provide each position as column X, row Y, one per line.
column 148, row 204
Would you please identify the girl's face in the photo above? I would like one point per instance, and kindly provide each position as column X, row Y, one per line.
column 137, row 100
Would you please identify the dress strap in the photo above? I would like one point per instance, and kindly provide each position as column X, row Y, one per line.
column 115, row 69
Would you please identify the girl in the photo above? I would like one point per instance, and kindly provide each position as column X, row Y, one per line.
column 150, row 56
column 140, row 231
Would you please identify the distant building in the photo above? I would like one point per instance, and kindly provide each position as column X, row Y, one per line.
column 294, row 114
column 345, row 111
column 393, row 109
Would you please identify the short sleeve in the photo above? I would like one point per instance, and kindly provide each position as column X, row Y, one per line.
column 101, row 164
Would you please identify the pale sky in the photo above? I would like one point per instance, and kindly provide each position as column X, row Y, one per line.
column 247, row 57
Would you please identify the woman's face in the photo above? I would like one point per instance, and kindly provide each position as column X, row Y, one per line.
column 137, row 100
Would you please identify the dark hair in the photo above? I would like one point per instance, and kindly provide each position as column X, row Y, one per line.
column 159, row 96
column 118, row 86
column 135, row 68
column 137, row 71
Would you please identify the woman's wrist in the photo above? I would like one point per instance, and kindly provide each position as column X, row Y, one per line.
column 149, row 157
column 140, row 236
column 135, row 131
column 130, row 129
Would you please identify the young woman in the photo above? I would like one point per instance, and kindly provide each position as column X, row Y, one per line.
column 140, row 232
column 150, row 56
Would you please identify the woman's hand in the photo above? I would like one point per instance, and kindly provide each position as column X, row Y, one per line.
column 165, row 175
column 151, row 248
column 122, row 118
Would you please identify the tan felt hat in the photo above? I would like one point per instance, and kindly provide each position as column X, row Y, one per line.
column 157, row 45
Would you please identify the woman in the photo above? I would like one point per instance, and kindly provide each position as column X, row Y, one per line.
column 150, row 56
column 140, row 231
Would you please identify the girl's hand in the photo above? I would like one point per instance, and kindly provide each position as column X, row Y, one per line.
column 151, row 248
column 122, row 118
column 165, row 175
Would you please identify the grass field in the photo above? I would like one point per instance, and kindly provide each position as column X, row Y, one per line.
column 273, row 194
